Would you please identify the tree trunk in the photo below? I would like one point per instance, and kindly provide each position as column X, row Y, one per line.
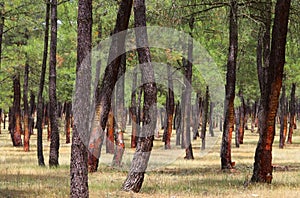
column 16, row 126
column 237, row 127
column 292, row 111
column 81, row 105
column 31, row 112
column 228, row 128
column 54, row 144
column 120, row 115
column 110, row 130
column 140, row 160
column 241, row 129
column 169, row 110
column 178, row 123
column 108, row 83
column 270, row 94
column 196, row 116
column 2, row 18
column 26, row 109
column 211, row 119
column 68, row 109
column 205, row 116
column 133, row 110
column 283, row 118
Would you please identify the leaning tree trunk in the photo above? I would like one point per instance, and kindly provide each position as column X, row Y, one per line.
column 108, row 83
column 141, row 157
column 228, row 128
column 54, row 145
column 292, row 114
column 270, row 92
column 81, row 103
column 15, row 119
column 26, row 109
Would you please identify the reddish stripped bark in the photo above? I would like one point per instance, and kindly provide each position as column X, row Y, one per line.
column 110, row 132
column 16, row 127
column 228, row 128
column 270, row 92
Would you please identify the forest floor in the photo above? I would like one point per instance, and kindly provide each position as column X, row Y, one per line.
column 169, row 174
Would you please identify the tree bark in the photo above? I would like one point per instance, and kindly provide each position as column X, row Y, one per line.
column 81, row 105
column 16, row 126
column 68, row 109
column 108, row 83
column 133, row 110
column 283, row 118
column 26, row 109
column 169, row 110
column 120, row 115
column 110, row 130
column 211, row 119
column 54, row 144
column 228, row 128
column 205, row 116
column 270, row 91
column 292, row 111
column 140, row 160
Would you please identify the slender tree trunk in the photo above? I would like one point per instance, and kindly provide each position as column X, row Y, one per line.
column 237, row 127
column 108, row 83
column 133, row 110
column 2, row 18
column 81, row 105
column 228, row 128
column 205, row 116
column 26, row 109
column 120, row 115
column 292, row 114
column 283, row 118
column 140, row 160
column 187, row 94
column 253, row 116
column 211, row 119
column 68, row 108
column 16, row 126
column 241, row 129
column 169, row 110
column 54, row 145
column 178, row 123
column 110, row 130
column 270, row 94
column 196, row 116
column 31, row 112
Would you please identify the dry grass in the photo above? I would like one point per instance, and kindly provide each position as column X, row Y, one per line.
column 21, row 177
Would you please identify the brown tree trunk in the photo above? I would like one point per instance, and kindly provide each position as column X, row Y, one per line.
column 140, row 160
column 31, row 112
column 133, row 110
column 242, row 110
column 228, row 128
column 205, row 118
column 108, row 83
column 178, row 123
column 68, row 108
column 270, row 91
column 283, row 118
column 26, row 109
column 16, row 126
column 110, row 129
column 292, row 114
column 54, row 144
column 81, row 105
column 120, row 115
column 169, row 110
column 212, row 123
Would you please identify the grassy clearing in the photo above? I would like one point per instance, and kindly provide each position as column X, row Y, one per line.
column 21, row 177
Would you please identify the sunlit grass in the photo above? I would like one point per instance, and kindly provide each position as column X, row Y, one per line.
column 20, row 176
